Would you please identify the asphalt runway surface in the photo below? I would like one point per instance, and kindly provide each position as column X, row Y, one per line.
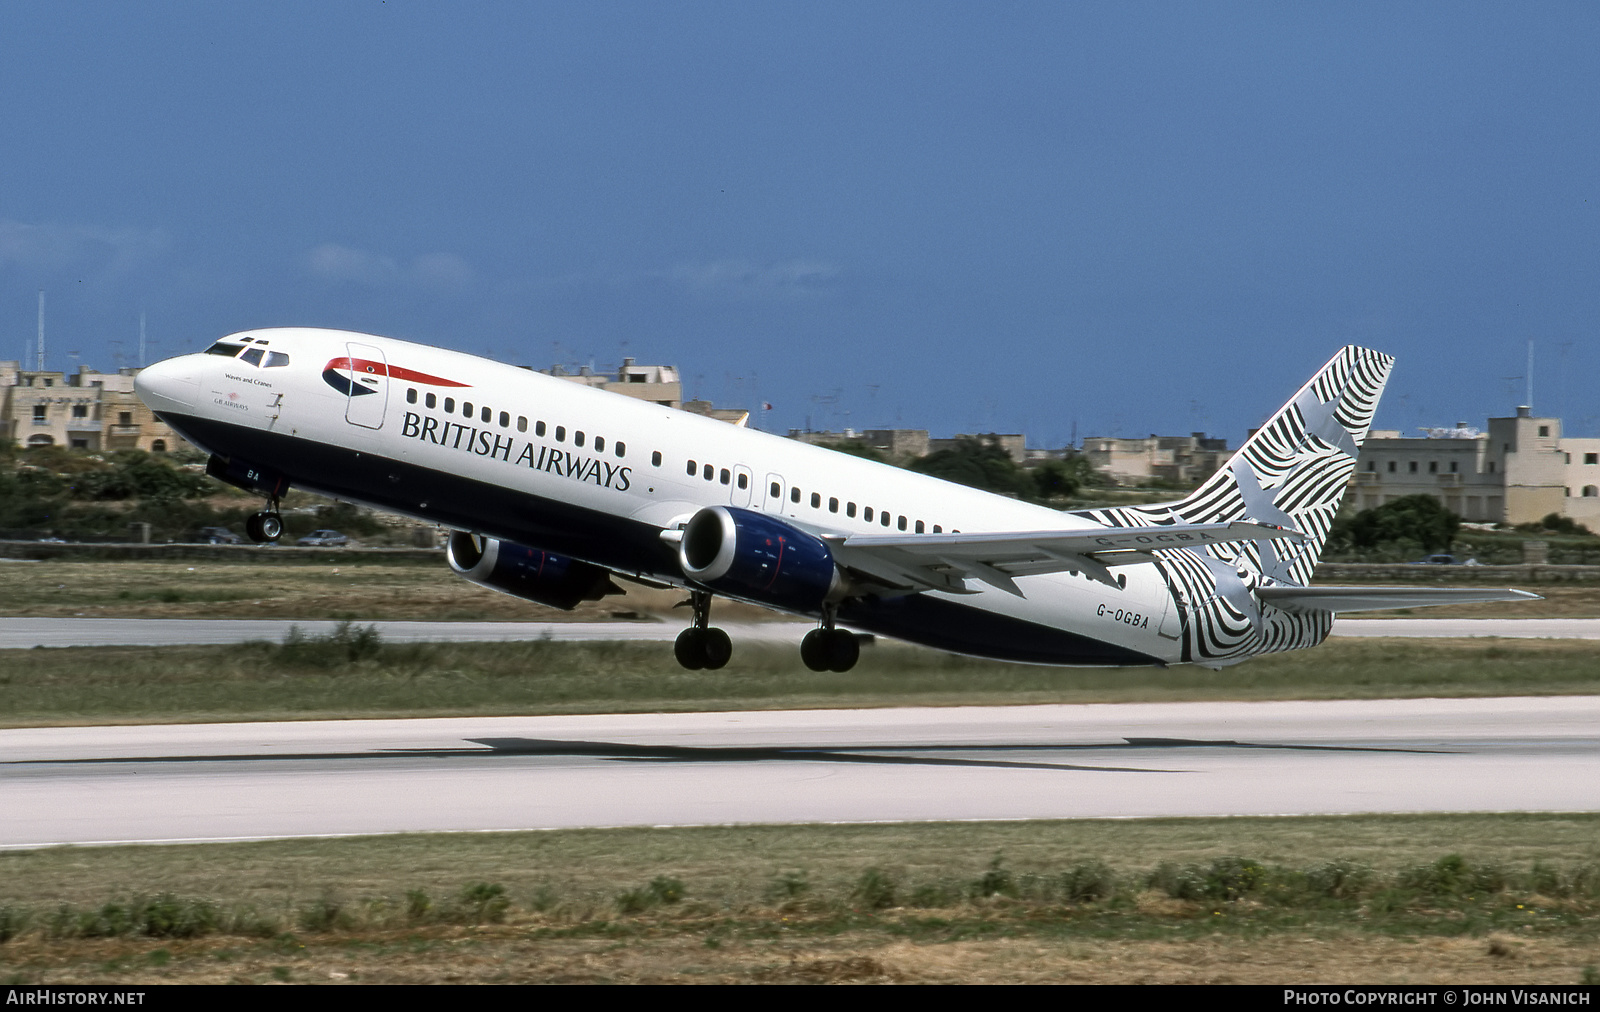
column 26, row 633
column 332, row 778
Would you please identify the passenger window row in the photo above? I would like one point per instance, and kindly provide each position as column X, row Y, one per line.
column 710, row 472
column 885, row 517
column 487, row 416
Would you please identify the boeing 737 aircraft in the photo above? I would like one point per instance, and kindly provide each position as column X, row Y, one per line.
column 551, row 488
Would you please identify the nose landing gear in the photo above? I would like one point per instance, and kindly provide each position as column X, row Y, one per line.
column 266, row 525
column 701, row 645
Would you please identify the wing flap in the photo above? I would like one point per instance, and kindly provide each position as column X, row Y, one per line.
column 946, row 561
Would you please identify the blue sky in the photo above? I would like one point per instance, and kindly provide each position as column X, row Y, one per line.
column 1108, row 218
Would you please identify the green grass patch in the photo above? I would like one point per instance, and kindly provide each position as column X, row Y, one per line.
column 353, row 673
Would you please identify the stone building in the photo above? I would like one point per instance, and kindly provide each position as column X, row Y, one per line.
column 901, row 446
column 658, row 383
column 1519, row 471
column 86, row 410
column 1182, row 460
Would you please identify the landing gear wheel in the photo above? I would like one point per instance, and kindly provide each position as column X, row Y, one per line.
column 264, row 526
column 689, row 649
column 700, row 645
column 814, row 650
column 830, row 650
column 715, row 648
column 703, row 648
column 843, row 650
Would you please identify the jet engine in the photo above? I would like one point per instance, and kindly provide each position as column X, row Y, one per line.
column 528, row 573
column 759, row 558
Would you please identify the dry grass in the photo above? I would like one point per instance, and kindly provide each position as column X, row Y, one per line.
column 737, row 864
column 564, row 924
column 505, row 955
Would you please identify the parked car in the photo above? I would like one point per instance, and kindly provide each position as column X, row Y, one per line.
column 219, row 536
column 324, row 539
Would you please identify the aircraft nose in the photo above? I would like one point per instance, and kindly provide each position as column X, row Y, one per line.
column 172, row 385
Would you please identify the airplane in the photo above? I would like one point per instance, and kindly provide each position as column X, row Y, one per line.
column 551, row 488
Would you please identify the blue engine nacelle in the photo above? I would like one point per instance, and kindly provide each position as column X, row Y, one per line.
column 528, row 573
column 760, row 558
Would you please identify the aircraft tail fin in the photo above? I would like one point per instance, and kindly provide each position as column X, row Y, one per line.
column 1291, row 472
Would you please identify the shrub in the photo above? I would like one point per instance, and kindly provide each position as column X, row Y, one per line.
column 485, row 901
column 347, row 644
column 325, row 914
column 1087, row 881
column 419, row 905
column 875, row 889
column 1228, row 878
column 1444, row 877
column 12, row 922
column 788, row 886
column 662, row 889
column 1337, row 880
column 996, row 881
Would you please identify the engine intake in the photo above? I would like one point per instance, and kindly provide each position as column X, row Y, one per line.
column 759, row 558
column 528, row 573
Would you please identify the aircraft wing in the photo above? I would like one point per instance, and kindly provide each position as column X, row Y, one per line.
column 1337, row 599
column 918, row 562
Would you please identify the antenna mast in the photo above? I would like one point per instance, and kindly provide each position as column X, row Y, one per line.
column 39, row 366
column 1530, row 375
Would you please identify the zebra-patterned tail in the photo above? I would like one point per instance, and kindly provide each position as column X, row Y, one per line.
column 1294, row 470
column 1293, row 473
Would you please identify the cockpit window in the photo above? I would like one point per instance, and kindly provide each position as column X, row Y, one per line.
column 253, row 356
column 276, row 359
column 224, row 348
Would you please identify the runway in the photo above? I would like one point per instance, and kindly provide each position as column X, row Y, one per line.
column 27, row 633
column 328, row 778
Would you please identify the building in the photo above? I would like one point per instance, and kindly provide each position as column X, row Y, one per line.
column 897, row 445
column 86, row 410
column 1520, row 471
column 1182, row 460
column 733, row 416
column 657, row 383
column 900, row 446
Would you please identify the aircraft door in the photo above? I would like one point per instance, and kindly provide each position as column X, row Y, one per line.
column 771, row 498
column 369, row 386
column 739, row 495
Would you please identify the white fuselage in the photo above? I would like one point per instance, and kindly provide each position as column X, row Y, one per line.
column 557, row 464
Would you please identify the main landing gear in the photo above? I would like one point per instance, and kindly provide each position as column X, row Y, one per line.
column 266, row 525
column 830, row 649
column 702, row 646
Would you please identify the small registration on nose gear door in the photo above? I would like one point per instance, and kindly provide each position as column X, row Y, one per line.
column 369, row 386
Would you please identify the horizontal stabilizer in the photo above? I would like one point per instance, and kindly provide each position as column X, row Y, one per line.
column 1338, row 599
